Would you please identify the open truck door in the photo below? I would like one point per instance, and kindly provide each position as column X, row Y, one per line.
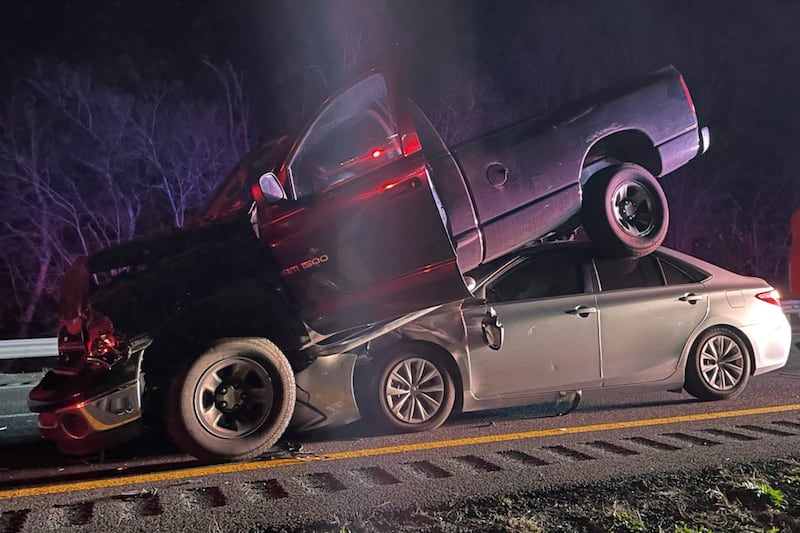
column 352, row 218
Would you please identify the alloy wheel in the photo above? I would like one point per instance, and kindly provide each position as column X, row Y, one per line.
column 414, row 390
column 721, row 362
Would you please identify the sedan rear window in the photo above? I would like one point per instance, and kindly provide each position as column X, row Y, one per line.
column 679, row 273
column 628, row 273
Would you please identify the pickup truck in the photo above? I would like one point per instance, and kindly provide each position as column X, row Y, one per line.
column 243, row 322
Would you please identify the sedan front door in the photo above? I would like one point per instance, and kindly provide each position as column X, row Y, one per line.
column 550, row 330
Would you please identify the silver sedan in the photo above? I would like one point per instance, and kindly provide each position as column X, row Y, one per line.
column 550, row 322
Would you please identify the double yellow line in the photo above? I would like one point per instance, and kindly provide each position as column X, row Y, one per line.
column 372, row 452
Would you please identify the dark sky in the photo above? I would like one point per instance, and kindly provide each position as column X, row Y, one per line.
column 489, row 61
column 492, row 38
column 740, row 57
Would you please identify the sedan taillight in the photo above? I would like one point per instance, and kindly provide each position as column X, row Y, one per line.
column 771, row 297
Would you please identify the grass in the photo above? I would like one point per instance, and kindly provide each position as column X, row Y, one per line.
column 762, row 497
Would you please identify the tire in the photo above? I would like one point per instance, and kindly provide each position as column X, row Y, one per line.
column 395, row 399
column 624, row 211
column 232, row 403
column 718, row 367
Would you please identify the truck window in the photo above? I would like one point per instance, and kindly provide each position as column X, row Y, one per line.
column 354, row 133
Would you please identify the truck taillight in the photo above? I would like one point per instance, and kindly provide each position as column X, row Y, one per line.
column 688, row 96
column 771, row 297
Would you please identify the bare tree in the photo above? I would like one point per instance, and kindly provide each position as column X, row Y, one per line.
column 190, row 144
column 97, row 195
column 27, row 241
column 62, row 157
column 84, row 164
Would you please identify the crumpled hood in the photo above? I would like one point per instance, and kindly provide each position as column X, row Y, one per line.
column 150, row 250
column 144, row 282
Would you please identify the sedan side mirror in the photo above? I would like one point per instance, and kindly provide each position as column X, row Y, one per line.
column 271, row 188
column 493, row 331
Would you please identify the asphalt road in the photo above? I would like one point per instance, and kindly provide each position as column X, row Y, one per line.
column 353, row 471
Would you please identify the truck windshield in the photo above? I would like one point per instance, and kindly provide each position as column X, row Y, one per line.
column 354, row 134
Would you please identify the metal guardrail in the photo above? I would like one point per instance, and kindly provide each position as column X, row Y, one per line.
column 792, row 310
column 791, row 307
column 28, row 348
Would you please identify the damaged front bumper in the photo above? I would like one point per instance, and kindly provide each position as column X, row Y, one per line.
column 86, row 409
column 325, row 394
column 91, row 409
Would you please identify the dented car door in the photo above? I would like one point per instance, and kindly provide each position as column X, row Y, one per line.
column 550, row 328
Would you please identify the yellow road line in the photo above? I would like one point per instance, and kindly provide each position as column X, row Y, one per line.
column 371, row 452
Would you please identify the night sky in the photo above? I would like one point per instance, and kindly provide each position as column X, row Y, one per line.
column 474, row 65
column 528, row 55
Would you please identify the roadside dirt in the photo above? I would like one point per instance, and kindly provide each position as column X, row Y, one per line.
column 752, row 497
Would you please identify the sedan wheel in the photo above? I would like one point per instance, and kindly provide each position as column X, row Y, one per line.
column 414, row 390
column 233, row 402
column 719, row 365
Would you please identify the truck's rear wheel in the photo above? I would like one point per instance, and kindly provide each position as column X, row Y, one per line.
column 625, row 211
column 234, row 402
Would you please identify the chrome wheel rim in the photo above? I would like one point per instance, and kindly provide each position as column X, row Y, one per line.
column 414, row 390
column 233, row 398
column 634, row 208
column 721, row 363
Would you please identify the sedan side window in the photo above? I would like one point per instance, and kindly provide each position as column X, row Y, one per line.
column 680, row 273
column 543, row 276
column 628, row 273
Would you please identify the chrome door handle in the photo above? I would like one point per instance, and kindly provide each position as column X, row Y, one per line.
column 691, row 297
column 582, row 311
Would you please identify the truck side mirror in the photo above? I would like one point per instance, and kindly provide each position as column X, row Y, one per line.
column 271, row 188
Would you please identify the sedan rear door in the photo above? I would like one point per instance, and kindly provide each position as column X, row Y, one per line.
column 648, row 310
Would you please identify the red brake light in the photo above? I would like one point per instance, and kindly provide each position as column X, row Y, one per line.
column 771, row 297
column 258, row 196
column 688, row 96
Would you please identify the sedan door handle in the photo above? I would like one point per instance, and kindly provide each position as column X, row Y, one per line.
column 582, row 311
column 691, row 297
